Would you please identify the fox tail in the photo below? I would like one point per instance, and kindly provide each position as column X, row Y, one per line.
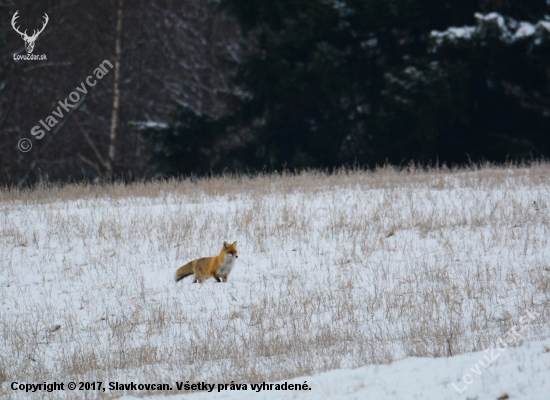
column 184, row 271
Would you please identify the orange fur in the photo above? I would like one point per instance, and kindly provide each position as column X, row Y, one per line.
column 217, row 267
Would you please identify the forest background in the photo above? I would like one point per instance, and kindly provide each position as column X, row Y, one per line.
column 201, row 87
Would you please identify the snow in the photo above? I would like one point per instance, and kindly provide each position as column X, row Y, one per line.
column 525, row 29
column 492, row 17
column 454, row 33
column 545, row 25
column 519, row 372
column 335, row 278
column 510, row 30
column 142, row 125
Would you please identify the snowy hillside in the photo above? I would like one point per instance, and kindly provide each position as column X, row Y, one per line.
column 519, row 373
column 334, row 272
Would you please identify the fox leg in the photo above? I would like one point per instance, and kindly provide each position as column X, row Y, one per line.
column 199, row 277
column 224, row 279
column 217, row 278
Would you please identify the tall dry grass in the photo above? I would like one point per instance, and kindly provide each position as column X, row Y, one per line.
column 335, row 270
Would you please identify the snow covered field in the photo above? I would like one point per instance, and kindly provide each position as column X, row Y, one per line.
column 519, row 373
column 335, row 271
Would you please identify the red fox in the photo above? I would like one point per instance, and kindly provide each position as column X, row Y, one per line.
column 211, row 267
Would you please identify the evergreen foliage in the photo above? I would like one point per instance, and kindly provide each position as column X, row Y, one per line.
column 369, row 81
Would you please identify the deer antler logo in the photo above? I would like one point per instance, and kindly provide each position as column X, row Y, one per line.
column 29, row 40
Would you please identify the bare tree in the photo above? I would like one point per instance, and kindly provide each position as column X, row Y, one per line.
column 166, row 52
column 116, row 90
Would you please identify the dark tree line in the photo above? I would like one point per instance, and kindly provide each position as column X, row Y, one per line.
column 375, row 81
column 253, row 84
column 171, row 53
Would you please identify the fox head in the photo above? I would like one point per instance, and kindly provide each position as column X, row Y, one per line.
column 230, row 249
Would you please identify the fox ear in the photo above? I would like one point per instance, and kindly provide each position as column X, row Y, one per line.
column 225, row 245
column 234, row 243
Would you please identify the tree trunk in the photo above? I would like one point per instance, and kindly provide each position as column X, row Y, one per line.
column 116, row 92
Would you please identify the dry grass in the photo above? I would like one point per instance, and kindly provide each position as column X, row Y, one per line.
column 336, row 270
